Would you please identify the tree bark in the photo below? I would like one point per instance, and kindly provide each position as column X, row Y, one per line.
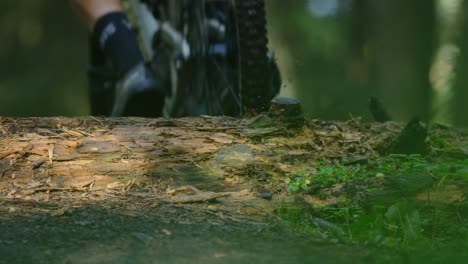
column 73, row 152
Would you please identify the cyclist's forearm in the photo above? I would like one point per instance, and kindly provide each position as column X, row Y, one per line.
column 92, row 10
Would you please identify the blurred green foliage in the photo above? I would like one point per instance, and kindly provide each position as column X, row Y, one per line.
column 333, row 54
column 361, row 48
column 44, row 57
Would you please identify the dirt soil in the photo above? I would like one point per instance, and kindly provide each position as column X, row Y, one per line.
column 162, row 234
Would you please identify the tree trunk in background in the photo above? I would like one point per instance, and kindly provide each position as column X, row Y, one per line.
column 359, row 29
column 460, row 106
column 403, row 40
column 319, row 53
column 357, row 63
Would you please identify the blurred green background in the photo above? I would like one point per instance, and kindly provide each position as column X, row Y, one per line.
column 333, row 54
column 43, row 55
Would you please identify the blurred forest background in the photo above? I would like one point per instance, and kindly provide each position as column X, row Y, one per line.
column 333, row 54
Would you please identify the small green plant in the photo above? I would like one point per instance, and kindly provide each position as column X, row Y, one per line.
column 298, row 184
column 331, row 174
column 321, row 174
column 299, row 180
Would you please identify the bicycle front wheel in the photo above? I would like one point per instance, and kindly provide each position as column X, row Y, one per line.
column 229, row 71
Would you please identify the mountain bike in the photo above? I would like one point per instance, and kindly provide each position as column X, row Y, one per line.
column 212, row 54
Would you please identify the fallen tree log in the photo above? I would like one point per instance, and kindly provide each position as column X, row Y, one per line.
column 219, row 156
column 81, row 148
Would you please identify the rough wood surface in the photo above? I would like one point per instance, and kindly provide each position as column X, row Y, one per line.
column 70, row 161
column 48, row 159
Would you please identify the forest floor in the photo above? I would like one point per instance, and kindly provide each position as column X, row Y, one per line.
column 329, row 192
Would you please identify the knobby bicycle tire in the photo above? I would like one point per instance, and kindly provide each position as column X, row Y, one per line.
column 251, row 66
column 252, row 38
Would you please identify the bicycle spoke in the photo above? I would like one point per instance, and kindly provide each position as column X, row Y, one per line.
column 227, row 83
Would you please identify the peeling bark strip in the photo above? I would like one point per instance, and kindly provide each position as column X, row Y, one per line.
column 43, row 155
